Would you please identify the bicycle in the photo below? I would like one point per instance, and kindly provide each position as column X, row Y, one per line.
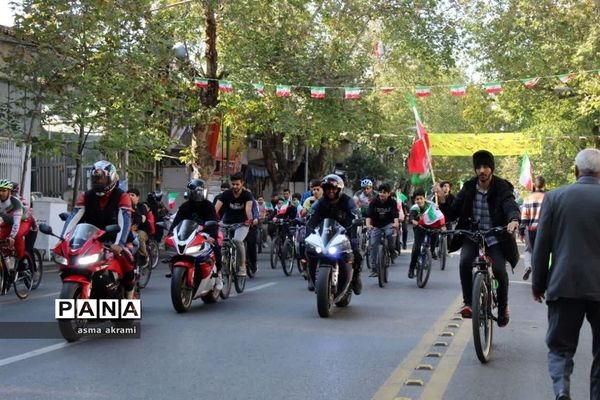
column 38, row 268
column 230, row 268
column 384, row 258
column 484, row 301
column 152, row 248
column 20, row 277
column 424, row 260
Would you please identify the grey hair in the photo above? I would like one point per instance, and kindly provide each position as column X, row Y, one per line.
column 588, row 161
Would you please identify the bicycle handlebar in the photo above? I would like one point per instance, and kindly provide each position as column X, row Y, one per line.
column 475, row 233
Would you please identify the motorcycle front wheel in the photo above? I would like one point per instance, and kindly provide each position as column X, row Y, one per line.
column 324, row 292
column 70, row 328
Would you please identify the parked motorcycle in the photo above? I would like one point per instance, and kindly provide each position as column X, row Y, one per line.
column 193, row 266
column 88, row 270
column 333, row 273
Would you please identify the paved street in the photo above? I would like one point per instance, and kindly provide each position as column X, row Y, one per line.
column 269, row 343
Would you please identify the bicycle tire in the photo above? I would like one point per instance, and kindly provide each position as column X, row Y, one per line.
column 381, row 266
column 443, row 252
column 226, row 273
column 274, row 253
column 423, row 268
column 238, row 281
column 38, row 268
column 287, row 257
column 3, row 276
column 23, row 277
column 145, row 273
column 387, row 267
column 153, row 253
column 482, row 318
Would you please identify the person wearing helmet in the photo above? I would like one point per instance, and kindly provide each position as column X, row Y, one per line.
column 365, row 196
column 235, row 207
column 14, row 225
column 159, row 211
column 31, row 235
column 339, row 206
column 197, row 208
column 107, row 204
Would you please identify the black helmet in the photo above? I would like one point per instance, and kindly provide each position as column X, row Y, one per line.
column 333, row 181
column 197, row 191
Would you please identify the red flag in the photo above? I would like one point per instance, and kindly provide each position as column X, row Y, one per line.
column 418, row 162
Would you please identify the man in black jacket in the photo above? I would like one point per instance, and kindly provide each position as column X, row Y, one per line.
column 489, row 201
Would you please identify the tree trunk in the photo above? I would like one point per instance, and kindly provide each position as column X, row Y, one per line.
column 279, row 167
column 28, row 144
column 204, row 163
column 316, row 164
column 78, row 163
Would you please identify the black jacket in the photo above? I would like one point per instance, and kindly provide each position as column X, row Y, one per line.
column 503, row 208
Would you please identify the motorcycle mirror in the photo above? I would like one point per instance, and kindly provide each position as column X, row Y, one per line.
column 46, row 229
column 112, row 229
column 63, row 216
column 208, row 224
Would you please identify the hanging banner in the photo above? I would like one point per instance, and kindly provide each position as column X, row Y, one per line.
column 499, row 144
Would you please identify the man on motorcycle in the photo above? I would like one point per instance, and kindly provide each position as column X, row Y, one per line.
column 107, row 204
column 340, row 207
column 15, row 224
column 200, row 210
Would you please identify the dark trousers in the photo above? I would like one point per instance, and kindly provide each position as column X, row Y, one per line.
column 468, row 254
column 404, row 233
column 251, row 242
column 532, row 235
column 565, row 317
column 419, row 235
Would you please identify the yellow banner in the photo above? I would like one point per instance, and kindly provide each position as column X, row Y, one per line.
column 465, row 144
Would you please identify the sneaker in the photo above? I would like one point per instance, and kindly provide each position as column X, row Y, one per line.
column 526, row 273
column 311, row 286
column 242, row 272
column 403, row 246
column 219, row 283
column 357, row 285
column 374, row 273
column 466, row 311
column 503, row 317
column 563, row 396
column 411, row 273
column 434, row 256
column 168, row 275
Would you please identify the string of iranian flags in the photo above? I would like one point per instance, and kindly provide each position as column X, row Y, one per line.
column 350, row 93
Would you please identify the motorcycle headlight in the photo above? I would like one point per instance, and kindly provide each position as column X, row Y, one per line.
column 87, row 260
column 332, row 251
column 193, row 249
column 60, row 260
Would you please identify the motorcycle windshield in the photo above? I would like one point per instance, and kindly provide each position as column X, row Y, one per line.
column 329, row 229
column 185, row 229
column 82, row 233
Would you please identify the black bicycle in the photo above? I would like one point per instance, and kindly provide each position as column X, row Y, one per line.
column 38, row 268
column 484, row 302
column 20, row 277
column 230, row 267
column 384, row 258
column 424, row 260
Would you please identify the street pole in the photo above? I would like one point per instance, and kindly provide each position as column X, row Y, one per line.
column 306, row 167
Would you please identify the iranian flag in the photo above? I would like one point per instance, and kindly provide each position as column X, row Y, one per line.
column 259, row 88
column 566, row 77
column 418, row 159
column 423, row 91
column 458, row 90
column 526, row 175
column 225, row 86
column 317, row 92
column 493, row 87
column 387, row 89
column 530, row 82
column 352, row 93
column 401, row 196
column 201, row 83
column 172, row 197
column 432, row 217
column 283, row 91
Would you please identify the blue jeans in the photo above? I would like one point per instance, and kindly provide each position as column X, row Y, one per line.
column 375, row 238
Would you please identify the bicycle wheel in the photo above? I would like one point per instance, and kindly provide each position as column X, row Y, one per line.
column 38, row 269
column 3, row 276
column 152, row 247
column 238, row 281
column 381, row 265
column 23, row 277
column 443, row 251
column 287, row 259
column 145, row 272
column 387, row 267
column 226, row 273
column 423, row 268
column 482, row 318
column 274, row 253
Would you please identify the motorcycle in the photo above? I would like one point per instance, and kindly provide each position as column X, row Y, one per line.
column 88, row 270
column 333, row 273
column 193, row 266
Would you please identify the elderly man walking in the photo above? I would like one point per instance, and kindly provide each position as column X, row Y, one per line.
column 566, row 267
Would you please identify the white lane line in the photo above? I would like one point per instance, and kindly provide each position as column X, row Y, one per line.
column 254, row 289
column 34, row 353
column 521, row 282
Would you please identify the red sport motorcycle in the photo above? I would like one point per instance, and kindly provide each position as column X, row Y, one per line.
column 88, row 270
column 193, row 266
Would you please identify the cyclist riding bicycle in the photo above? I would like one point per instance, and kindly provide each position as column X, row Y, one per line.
column 31, row 235
column 200, row 210
column 340, row 207
column 488, row 200
column 140, row 222
column 317, row 193
column 15, row 224
column 235, row 206
column 382, row 218
column 365, row 196
column 106, row 204
column 422, row 213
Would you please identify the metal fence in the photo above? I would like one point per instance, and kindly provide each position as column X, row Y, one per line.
column 11, row 159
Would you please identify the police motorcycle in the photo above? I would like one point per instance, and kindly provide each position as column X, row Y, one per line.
column 332, row 249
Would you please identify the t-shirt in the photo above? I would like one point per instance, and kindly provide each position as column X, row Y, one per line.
column 381, row 213
column 365, row 200
column 233, row 210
